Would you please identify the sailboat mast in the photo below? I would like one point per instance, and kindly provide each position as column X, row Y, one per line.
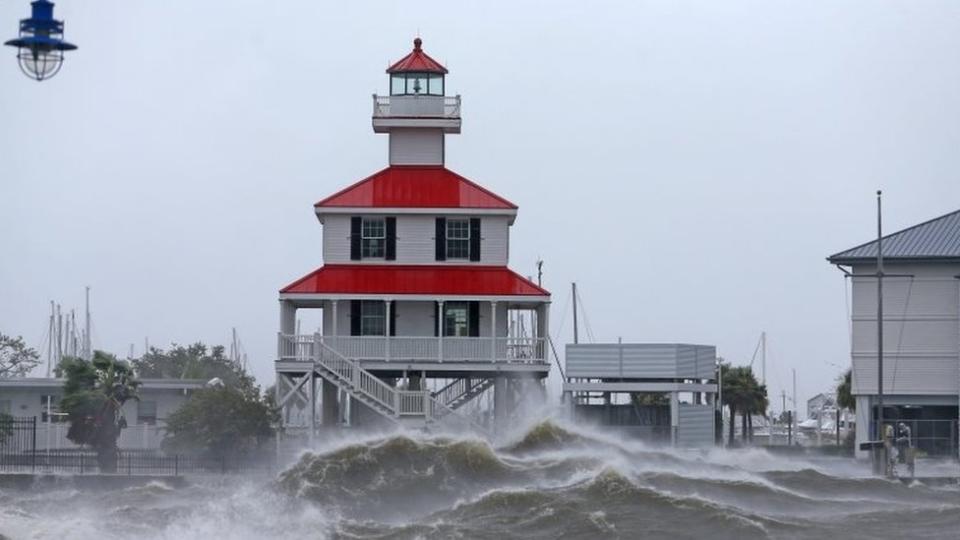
column 576, row 334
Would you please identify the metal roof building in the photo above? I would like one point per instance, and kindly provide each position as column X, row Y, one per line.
column 921, row 332
column 934, row 240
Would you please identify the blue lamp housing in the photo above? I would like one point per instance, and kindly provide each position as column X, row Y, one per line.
column 40, row 45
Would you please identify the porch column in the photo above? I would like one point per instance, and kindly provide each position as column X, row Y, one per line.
column 330, row 413
column 493, row 331
column 674, row 416
column 312, row 388
column 288, row 317
column 543, row 331
column 333, row 325
column 440, row 331
column 386, row 330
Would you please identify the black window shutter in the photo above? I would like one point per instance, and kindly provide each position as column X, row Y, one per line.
column 441, row 239
column 391, row 252
column 355, row 317
column 473, row 319
column 356, row 223
column 436, row 319
column 393, row 316
column 474, row 239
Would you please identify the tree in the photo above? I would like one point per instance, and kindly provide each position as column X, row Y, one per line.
column 744, row 394
column 16, row 359
column 93, row 396
column 845, row 397
column 6, row 427
column 193, row 362
column 222, row 422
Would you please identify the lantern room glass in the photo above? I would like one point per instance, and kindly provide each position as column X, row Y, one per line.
column 416, row 84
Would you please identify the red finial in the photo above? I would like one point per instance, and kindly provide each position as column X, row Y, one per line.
column 416, row 44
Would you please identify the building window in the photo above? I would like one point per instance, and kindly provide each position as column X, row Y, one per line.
column 373, row 318
column 54, row 409
column 456, row 319
column 147, row 413
column 458, row 238
column 373, row 238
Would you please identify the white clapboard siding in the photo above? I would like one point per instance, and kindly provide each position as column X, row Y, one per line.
column 416, row 243
column 907, row 375
column 415, row 318
column 416, row 147
column 696, row 425
column 921, row 331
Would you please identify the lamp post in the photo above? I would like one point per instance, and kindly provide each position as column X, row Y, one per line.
column 40, row 45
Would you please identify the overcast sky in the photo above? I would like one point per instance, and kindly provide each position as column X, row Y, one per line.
column 688, row 164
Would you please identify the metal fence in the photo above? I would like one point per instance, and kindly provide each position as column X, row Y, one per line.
column 931, row 437
column 19, row 453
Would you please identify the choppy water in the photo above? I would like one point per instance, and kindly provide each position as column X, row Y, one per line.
column 548, row 483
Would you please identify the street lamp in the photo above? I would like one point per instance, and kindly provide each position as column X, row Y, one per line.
column 40, row 45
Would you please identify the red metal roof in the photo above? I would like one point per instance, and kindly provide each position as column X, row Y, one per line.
column 407, row 279
column 417, row 61
column 416, row 187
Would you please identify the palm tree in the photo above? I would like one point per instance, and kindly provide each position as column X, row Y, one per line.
column 93, row 396
column 742, row 393
column 845, row 398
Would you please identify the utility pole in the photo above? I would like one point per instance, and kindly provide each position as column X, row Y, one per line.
column 87, row 353
column 793, row 415
column 783, row 407
column 763, row 355
column 879, row 316
column 576, row 335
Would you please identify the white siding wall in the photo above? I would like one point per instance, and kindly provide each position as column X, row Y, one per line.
column 416, row 147
column 416, row 319
column 26, row 402
column 416, row 241
column 921, row 331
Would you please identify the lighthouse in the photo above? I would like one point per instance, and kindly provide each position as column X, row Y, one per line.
column 423, row 322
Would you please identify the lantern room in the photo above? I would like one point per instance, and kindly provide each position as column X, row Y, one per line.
column 417, row 74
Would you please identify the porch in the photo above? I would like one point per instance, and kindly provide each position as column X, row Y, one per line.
column 519, row 350
column 394, row 329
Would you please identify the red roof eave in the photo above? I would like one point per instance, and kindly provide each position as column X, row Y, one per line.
column 440, row 280
column 416, row 186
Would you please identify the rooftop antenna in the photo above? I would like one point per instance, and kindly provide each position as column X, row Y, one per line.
column 539, row 272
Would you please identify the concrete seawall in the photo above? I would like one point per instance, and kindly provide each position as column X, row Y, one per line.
column 86, row 482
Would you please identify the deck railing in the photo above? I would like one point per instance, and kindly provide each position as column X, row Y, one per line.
column 428, row 349
column 416, row 106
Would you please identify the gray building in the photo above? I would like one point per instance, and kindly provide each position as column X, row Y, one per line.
column 40, row 398
column 921, row 331
column 659, row 392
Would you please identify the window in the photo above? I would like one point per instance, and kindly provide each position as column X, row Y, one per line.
column 373, row 238
column 54, row 409
column 416, row 83
column 456, row 319
column 373, row 318
column 147, row 413
column 398, row 84
column 458, row 238
column 435, row 84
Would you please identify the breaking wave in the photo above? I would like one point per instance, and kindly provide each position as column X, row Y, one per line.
column 550, row 481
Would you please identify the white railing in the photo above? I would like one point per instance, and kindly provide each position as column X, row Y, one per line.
column 348, row 374
column 430, row 349
column 416, row 106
